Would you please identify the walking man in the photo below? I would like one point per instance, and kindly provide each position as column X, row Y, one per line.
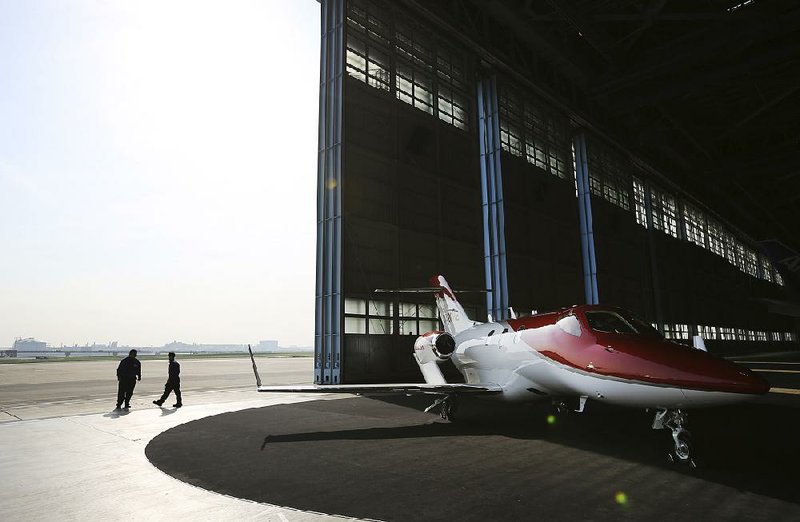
column 128, row 372
column 173, row 383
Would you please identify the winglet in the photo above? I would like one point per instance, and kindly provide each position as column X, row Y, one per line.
column 255, row 370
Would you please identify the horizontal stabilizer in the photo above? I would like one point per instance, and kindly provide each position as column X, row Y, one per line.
column 386, row 389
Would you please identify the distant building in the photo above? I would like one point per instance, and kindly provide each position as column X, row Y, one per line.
column 29, row 344
column 267, row 346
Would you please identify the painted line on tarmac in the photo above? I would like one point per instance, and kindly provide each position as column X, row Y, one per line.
column 765, row 362
column 771, row 370
column 787, row 391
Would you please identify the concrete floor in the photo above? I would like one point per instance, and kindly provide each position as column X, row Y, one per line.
column 67, row 456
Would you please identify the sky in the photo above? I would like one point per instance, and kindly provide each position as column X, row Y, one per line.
column 158, row 170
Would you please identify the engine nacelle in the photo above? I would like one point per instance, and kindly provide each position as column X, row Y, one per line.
column 434, row 347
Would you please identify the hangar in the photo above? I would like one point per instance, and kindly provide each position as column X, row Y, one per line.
column 556, row 152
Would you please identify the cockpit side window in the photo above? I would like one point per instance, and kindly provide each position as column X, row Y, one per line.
column 606, row 321
column 643, row 327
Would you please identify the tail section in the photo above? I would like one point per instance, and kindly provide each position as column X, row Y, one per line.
column 453, row 316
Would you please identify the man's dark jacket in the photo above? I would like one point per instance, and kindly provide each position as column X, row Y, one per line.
column 174, row 372
column 129, row 368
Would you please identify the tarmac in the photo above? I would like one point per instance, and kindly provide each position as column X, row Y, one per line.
column 67, row 455
column 233, row 454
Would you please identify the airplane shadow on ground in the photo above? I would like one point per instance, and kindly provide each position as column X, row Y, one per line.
column 752, row 447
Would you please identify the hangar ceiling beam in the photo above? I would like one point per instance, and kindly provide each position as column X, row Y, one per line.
column 693, row 49
column 521, row 30
column 691, row 84
column 598, row 40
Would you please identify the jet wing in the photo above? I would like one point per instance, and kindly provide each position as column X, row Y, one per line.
column 386, row 389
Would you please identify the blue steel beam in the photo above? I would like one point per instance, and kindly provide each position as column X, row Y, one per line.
column 591, row 294
column 494, row 241
column 328, row 313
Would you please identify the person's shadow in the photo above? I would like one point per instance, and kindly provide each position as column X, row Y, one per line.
column 117, row 413
column 167, row 411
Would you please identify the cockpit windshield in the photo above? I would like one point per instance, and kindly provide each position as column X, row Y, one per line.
column 618, row 322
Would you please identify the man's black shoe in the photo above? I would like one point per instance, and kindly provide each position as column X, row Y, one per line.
column 158, row 403
column 177, row 405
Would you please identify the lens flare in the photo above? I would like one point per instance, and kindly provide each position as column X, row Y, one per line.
column 551, row 419
column 330, row 184
column 621, row 498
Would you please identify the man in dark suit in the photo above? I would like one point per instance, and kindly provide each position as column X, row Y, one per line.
column 128, row 372
column 173, row 383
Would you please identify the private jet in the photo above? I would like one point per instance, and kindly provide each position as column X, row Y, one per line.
column 577, row 354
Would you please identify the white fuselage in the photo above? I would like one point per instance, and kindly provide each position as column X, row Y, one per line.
column 512, row 360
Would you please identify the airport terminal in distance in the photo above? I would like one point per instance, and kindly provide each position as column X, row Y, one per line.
column 557, row 278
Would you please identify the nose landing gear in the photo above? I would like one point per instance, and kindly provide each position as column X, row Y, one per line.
column 676, row 421
column 447, row 407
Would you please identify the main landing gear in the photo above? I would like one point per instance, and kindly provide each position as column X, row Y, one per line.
column 676, row 421
column 446, row 405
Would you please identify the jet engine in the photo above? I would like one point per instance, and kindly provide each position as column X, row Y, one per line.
column 434, row 347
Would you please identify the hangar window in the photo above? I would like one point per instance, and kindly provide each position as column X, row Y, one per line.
column 368, row 18
column 510, row 127
column 750, row 261
column 530, row 130
column 639, row 196
column 779, row 278
column 676, row 331
column 367, row 317
column 694, row 223
column 789, row 336
column 417, row 319
column 731, row 248
column 355, row 325
column 665, row 212
column 415, row 67
column 452, row 106
column 761, row 335
column 774, row 336
column 766, row 269
column 414, row 46
column 716, row 237
column 414, row 87
column 726, row 333
column 545, row 135
column 707, row 332
column 607, row 177
column 451, row 100
column 367, row 63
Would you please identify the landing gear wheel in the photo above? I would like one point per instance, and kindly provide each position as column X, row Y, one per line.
column 682, row 454
column 676, row 421
column 448, row 411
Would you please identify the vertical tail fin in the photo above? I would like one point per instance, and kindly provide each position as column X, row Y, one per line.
column 453, row 316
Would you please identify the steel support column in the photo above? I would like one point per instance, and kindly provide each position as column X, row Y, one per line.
column 585, row 220
column 328, row 306
column 494, row 237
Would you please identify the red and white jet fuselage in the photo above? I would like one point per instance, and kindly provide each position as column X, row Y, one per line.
column 583, row 353
column 567, row 354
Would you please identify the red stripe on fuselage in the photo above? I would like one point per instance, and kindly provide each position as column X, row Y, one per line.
column 640, row 358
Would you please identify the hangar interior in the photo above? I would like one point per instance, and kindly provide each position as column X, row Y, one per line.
column 635, row 153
